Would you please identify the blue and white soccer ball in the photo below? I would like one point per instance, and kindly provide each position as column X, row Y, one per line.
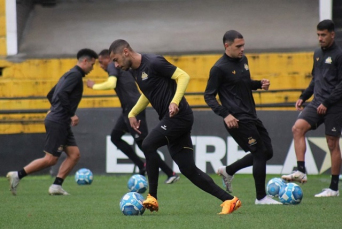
column 132, row 204
column 83, row 176
column 273, row 186
column 137, row 183
column 291, row 193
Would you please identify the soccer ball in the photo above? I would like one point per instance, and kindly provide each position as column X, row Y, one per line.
column 291, row 193
column 273, row 186
column 132, row 204
column 137, row 183
column 84, row 176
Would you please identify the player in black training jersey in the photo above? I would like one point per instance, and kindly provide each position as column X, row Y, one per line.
column 64, row 99
column 230, row 79
column 163, row 85
column 326, row 107
column 126, row 89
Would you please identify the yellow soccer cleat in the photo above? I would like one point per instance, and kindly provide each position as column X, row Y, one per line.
column 229, row 206
column 151, row 203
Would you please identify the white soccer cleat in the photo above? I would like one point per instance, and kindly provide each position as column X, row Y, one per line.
column 172, row 179
column 327, row 192
column 57, row 190
column 227, row 179
column 14, row 181
column 266, row 201
column 296, row 176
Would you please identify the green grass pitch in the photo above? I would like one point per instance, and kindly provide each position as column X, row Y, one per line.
column 181, row 205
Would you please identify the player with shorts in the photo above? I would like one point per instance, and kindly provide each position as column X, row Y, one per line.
column 64, row 99
column 163, row 85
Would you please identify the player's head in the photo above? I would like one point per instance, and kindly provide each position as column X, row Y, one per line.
column 120, row 52
column 326, row 33
column 104, row 59
column 234, row 44
column 86, row 59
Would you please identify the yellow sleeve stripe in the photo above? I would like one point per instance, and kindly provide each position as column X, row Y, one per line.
column 182, row 78
column 109, row 84
column 139, row 106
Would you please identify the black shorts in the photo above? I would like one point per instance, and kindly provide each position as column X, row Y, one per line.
column 58, row 136
column 251, row 135
column 177, row 131
column 122, row 124
column 332, row 120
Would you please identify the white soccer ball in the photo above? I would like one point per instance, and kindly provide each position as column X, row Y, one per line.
column 291, row 193
column 132, row 204
column 84, row 176
column 137, row 183
column 273, row 186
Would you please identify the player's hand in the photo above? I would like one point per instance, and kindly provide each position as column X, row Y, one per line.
column 173, row 109
column 299, row 105
column 265, row 84
column 74, row 120
column 321, row 110
column 231, row 122
column 135, row 124
column 90, row 83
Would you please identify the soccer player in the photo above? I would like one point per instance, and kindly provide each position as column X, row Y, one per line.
column 126, row 89
column 64, row 98
column 326, row 107
column 230, row 79
column 163, row 85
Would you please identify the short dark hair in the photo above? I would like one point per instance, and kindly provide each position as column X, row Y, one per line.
column 89, row 53
column 118, row 45
column 326, row 25
column 104, row 52
column 231, row 35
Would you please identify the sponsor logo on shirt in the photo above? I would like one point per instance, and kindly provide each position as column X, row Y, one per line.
column 251, row 141
column 246, row 67
column 328, row 60
column 163, row 127
column 144, row 76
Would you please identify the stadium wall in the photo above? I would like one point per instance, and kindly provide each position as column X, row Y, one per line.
column 213, row 146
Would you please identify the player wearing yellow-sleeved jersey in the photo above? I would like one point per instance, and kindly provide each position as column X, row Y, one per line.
column 126, row 89
column 163, row 85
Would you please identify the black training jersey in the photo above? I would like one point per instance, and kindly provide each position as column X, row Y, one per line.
column 230, row 79
column 154, row 79
column 66, row 95
column 326, row 83
column 125, row 89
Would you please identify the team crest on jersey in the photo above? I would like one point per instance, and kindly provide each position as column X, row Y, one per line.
column 144, row 76
column 234, row 72
column 246, row 67
column 317, row 59
column 328, row 60
column 251, row 141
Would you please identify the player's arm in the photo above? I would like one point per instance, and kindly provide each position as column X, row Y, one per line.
column 71, row 82
column 255, row 84
column 110, row 83
column 139, row 106
column 336, row 94
column 50, row 94
column 182, row 79
column 213, row 85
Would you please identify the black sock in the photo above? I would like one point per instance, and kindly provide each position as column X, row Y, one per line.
column 58, row 181
column 22, row 173
column 301, row 166
column 334, row 182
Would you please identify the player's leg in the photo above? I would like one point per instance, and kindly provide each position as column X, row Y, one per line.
column 121, row 127
column 55, row 140
column 332, row 133
column 308, row 119
column 182, row 153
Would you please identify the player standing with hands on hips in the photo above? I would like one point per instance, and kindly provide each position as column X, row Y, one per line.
column 163, row 85
column 230, row 79
column 64, row 99
column 326, row 107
